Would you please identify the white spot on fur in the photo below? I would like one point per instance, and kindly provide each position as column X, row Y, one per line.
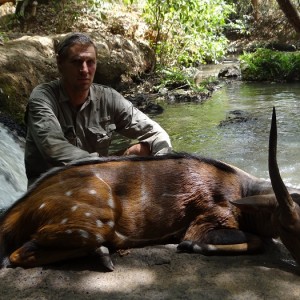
column 84, row 234
column 73, row 208
column 104, row 250
column 64, row 221
column 111, row 203
column 111, row 224
column 69, row 231
column 99, row 223
column 42, row 205
column 99, row 238
column 88, row 214
column 92, row 192
column 68, row 193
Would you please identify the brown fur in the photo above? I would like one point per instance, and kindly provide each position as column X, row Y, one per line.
column 129, row 202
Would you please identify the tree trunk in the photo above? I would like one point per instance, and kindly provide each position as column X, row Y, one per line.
column 291, row 13
column 255, row 9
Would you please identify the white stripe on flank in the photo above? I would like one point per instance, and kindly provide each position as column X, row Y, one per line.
column 110, row 201
column 144, row 190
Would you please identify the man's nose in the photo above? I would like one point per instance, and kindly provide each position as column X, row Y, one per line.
column 84, row 67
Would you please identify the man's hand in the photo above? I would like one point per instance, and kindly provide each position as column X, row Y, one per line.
column 141, row 149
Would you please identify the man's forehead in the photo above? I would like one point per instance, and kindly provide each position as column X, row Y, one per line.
column 80, row 50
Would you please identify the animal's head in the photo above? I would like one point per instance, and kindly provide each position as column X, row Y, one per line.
column 287, row 212
column 285, row 207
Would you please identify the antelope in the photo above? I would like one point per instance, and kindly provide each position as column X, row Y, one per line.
column 103, row 205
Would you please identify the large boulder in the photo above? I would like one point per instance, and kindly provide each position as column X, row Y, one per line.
column 30, row 60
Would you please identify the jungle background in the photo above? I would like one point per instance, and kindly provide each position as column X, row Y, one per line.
column 159, row 44
column 146, row 48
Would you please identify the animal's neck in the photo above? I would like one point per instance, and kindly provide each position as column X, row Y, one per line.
column 259, row 223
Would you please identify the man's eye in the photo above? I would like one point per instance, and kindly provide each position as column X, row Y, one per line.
column 76, row 62
column 90, row 63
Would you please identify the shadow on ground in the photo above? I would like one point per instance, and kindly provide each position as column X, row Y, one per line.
column 161, row 273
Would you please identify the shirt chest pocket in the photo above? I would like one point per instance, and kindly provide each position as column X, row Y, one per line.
column 100, row 138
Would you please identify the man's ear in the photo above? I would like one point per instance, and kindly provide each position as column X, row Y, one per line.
column 58, row 62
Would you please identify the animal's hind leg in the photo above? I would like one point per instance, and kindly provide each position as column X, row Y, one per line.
column 222, row 241
column 58, row 242
column 33, row 255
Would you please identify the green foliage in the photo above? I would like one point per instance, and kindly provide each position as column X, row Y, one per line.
column 269, row 65
column 176, row 77
column 3, row 37
column 187, row 32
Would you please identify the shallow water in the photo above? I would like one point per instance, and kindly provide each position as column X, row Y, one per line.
column 195, row 128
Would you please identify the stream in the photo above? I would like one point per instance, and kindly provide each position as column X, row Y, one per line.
column 204, row 129
column 196, row 128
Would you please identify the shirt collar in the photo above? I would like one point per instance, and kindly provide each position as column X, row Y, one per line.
column 63, row 97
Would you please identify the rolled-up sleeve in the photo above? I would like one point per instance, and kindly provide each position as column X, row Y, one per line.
column 134, row 124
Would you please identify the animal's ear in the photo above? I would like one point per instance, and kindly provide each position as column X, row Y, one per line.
column 296, row 198
column 256, row 203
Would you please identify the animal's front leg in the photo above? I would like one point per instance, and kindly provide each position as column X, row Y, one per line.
column 221, row 242
column 103, row 253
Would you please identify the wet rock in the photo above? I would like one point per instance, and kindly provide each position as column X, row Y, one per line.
column 181, row 95
column 237, row 116
column 145, row 104
column 19, row 131
column 232, row 71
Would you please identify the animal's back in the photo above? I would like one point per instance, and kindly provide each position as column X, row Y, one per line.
column 123, row 202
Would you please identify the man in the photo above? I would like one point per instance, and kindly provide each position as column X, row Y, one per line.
column 73, row 118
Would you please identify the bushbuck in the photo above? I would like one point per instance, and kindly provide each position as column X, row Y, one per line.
column 99, row 206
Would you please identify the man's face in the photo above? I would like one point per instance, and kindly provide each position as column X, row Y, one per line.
column 78, row 68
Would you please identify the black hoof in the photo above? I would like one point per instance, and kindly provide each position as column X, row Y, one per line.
column 186, row 246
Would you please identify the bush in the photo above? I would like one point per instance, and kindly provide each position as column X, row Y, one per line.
column 187, row 32
column 270, row 65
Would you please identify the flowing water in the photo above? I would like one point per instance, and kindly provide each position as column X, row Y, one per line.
column 13, row 181
column 196, row 128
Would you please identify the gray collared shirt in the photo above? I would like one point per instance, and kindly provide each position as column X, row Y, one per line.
column 58, row 134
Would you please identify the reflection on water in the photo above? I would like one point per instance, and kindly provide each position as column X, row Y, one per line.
column 195, row 128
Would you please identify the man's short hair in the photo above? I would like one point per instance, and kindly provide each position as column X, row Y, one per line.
column 69, row 40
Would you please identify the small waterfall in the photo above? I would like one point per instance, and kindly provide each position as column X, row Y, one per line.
column 13, row 181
